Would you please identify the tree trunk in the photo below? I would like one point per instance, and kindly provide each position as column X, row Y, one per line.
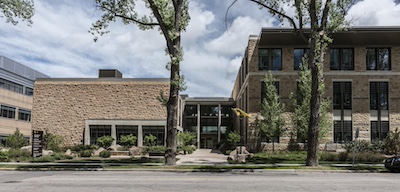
column 172, row 118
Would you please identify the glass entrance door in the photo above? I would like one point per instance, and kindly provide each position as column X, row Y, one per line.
column 208, row 142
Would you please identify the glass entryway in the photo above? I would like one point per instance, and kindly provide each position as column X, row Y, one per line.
column 208, row 142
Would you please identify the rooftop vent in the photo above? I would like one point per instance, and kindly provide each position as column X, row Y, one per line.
column 103, row 73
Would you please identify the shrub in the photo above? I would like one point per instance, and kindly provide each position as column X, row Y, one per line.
column 187, row 149
column 17, row 153
column 362, row 146
column 127, row 141
column 105, row 154
column 343, row 156
column 233, row 139
column 86, row 153
column 327, row 156
column 52, row 142
column 150, row 140
column 157, row 149
column 392, row 143
column 187, row 138
column 105, row 141
column 16, row 140
column 43, row 159
column 81, row 147
column 4, row 157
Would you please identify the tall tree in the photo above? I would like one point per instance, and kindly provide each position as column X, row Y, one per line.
column 271, row 111
column 12, row 9
column 314, row 21
column 171, row 17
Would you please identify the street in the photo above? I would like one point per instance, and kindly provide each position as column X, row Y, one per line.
column 119, row 181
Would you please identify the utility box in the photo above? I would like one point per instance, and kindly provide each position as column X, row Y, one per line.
column 107, row 73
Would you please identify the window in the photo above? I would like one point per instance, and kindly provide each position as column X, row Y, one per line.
column 269, row 59
column 341, row 59
column 28, row 91
column 263, row 89
column 209, row 125
column 191, row 110
column 97, row 131
column 342, row 115
column 379, row 110
column 24, row 115
column 298, row 57
column 7, row 112
column 378, row 59
column 5, row 84
column 209, row 110
column 157, row 131
column 126, row 130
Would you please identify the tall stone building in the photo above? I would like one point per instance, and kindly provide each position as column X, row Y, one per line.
column 16, row 90
column 361, row 73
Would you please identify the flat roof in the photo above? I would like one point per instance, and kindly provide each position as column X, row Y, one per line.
column 111, row 79
column 361, row 36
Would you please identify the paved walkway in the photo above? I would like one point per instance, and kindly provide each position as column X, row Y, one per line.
column 203, row 157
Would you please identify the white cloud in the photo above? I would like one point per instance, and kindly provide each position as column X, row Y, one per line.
column 374, row 13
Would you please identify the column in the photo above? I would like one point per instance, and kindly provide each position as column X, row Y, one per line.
column 198, row 126
column 140, row 136
column 87, row 134
column 114, row 133
column 219, row 122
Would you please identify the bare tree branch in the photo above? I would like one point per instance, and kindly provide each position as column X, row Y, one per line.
column 128, row 18
column 325, row 13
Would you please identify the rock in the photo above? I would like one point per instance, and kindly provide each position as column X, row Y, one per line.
column 115, row 147
column 135, row 151
column 98, row 151
column 47, row 152
column 28, row 148
column 69, row 152
column 239, row 155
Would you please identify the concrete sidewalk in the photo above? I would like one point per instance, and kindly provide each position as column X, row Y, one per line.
column 203, row 157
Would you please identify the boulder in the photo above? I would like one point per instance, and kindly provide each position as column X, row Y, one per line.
column 135, row 150
column 47, row 152
column 98, row 151
column 69, row 152
column 28, row 148
column 239, row 154
column 115, row 147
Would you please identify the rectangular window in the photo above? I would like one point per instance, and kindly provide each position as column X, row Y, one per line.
column 126, row 130
column 5, row 84
column 378, row 59
column 342, row 114
column 341, row 59
column 206, row 110
column 379, row 110
column 269, row 59
column 24, row 115
column 28, row 91
column 157, row 131
column 298, row 57
column 7, row 112
column 97, row 131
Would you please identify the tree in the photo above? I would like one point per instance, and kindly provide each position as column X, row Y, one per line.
column 171, row 17
column 314, row 21
column 271, row 111
column 16, row 140
column 301, row 106
column 12, row 9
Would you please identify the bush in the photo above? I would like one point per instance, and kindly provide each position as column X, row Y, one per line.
column 52, row 142
column 187, row 138
column 81, row 147
column 150, row 140
column 4, row 157
column 392, row 143
column 156, row 149
column 105, row 154
column 233, row 139
column 16, row 140
column 86, row 153
column 127, row 141
column 17, row 153
column 105, row 141
column 187, row 149
column 327, row 156
column 343, row 156
column 43, row 159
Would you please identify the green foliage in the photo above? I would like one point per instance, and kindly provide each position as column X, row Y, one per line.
column 392, row 143
column 4, row 157
column 16, row 140
column 187, row 138
column 150, row 140
column 271, row 121
column 187, row 149
column 52, row 142
column 127, row 141
column 301, row 104
column 363, row 157
column 81, row 147
column 22, row 9
column 105, row 154
column 105, row 141
column 156, row 149
column 233, row 139
column 365, row 146
column 86, row 153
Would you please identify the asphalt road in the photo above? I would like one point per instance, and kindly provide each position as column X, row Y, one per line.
column 120, row 181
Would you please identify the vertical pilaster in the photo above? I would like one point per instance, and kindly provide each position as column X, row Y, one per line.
column 140, row 136
column 198, row 126
column 114, row 133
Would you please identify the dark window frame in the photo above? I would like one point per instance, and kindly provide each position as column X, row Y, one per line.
column 24, row 115
column 378, row 66
column 7, row 111
column 341, row 65
column 378, row 90
column 97, row 131
column 342, row 100
column 296, row 65
column 265, row 64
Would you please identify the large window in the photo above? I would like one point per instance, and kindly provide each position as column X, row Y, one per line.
column 342, row 115
column 5, row 84
column 24, row 115
column 7, row 112
column 298, row 57
column 269, row 59
column 191, row 110
column 341, row 59
column 378, row 59
column 28, row 91
column 209, row 125
column 206, row 110
column 97, row 131
column 379, row 110
column 126, row 130
column 157, row 131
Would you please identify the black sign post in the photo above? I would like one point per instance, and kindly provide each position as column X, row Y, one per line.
column 37, row 147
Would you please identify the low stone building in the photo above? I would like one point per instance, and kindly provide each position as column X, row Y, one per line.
column 84, row 109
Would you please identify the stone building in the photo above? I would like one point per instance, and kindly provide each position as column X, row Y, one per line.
column 16, row 90
column 362, row 80
column 84, row 109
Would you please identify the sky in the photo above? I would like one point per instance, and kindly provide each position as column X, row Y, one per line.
column 58, row 43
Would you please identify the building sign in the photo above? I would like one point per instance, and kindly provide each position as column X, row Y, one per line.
column 37, row 143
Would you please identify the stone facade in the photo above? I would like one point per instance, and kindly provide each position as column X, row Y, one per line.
column 247, row 88
column 61, row 106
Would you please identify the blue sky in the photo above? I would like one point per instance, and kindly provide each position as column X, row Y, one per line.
column 59, row 45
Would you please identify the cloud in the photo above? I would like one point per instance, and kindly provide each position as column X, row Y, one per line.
column 374, row 13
